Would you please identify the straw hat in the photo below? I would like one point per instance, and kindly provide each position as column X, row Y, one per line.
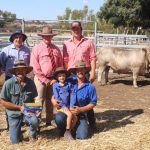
column 47, row 31
column 20, row 64
column 17, row 32
column 61, row 70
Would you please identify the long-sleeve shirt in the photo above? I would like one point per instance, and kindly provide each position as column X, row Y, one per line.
column 72, row 52
column 41, row 60
column 10, row 54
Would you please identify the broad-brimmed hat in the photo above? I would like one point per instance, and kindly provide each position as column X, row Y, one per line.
column 61, row 70
column 76, row 24
column 20, row 64
column 17, row 32
column 47, row 31
column 79, row 64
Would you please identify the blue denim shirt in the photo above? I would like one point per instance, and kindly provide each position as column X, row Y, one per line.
column 62, row 93
column 14, row 93
column 10, row 54
column 85, row 95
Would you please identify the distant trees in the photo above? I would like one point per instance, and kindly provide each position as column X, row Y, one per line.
column 82, row 14
column 6, row 17
column 127, row 13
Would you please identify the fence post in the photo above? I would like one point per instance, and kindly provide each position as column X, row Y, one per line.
column 95, row 35
column 23, row 26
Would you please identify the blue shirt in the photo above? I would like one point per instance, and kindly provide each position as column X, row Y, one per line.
column 14, row 93
column 62, row 93
column 10, row 54
column 85, row 95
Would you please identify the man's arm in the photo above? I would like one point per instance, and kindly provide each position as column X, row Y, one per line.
column 76, row 109
column 10, row 105
column 65, row 57
column 92, row 73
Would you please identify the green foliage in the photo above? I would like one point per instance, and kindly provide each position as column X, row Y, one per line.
column 7, row 18
column 127, row 13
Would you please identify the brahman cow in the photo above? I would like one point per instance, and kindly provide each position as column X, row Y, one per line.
column 121, row 60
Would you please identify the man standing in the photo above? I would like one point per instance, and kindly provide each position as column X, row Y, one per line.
column 15, row 51
column 45, row 58
column 80, row 48
column 15, row 92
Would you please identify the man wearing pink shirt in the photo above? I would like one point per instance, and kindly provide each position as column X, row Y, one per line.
column 45, row 58
column 80, row 48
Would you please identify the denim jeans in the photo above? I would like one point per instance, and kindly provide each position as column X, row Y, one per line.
column 81, row 130
column 15, row 127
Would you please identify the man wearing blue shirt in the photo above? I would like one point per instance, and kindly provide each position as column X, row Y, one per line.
column 15, row 51
column 86, row 100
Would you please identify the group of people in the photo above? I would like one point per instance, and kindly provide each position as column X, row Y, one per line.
column 60, row 80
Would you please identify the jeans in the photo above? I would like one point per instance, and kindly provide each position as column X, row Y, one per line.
column 15, row 127
column 81, row 129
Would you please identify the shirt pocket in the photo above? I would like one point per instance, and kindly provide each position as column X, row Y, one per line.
column 10, row 61
column 84, row 50
column 15, row 97
column 26, row 58
column 45, row 58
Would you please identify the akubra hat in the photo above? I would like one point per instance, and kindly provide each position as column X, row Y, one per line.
column 47, row 31
column 61, row 70
column 17, row 32
column 20, row 64
column 79, row 64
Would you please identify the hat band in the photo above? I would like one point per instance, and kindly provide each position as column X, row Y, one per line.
column 19, row 64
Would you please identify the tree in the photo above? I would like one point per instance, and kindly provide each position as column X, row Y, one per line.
column 6, row 17
column 126, row 13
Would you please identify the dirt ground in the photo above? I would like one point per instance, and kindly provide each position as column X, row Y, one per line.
column 122, row 115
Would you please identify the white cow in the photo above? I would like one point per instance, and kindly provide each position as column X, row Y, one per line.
column 121, row 60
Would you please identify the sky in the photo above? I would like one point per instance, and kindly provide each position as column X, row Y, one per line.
column 46, row 9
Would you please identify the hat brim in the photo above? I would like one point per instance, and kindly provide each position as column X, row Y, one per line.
column 11, row 39
column 73, row 70
column 41, row 34
column 13, row 70
column 62, row 71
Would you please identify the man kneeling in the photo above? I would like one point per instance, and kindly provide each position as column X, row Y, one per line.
column 15, row 92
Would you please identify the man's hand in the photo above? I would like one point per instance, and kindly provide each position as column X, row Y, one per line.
column 92, row 77
column 47, row 82
column 56, row 103
column 53, row 81
column 21, row 108
column 75, row 110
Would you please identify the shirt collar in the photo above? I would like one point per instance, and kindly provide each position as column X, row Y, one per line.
column 13, row 46
column 82, row 39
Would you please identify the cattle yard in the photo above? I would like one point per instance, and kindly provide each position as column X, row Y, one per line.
column 122, row 115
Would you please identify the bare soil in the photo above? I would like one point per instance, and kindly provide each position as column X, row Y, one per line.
column 122, row 115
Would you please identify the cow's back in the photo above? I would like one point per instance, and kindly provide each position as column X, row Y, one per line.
column 121, row 58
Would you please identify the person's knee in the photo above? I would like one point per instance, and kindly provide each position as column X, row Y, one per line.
column 83, row 134
column 59, row 117
column 34, row 122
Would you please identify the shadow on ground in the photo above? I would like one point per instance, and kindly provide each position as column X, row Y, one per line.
column 112, row 119
column 130, row 82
